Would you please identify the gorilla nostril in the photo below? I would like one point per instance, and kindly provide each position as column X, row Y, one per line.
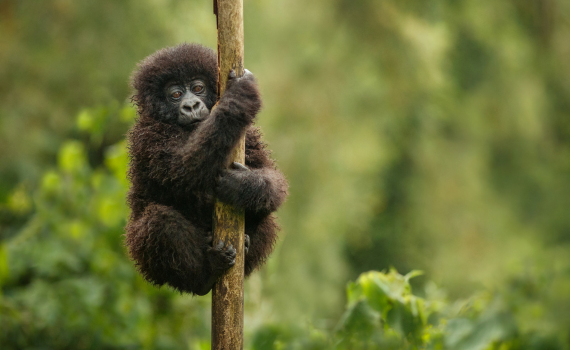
column 186, row 109
column 196, row 106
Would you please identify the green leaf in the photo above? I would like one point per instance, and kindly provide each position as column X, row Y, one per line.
column 358, row 321
column 72, row 157
column 127, row 114
column 51, row 182
column 4, row 269
column 412, row 274
column 85, row 121
column 19, row 201
column 116, row 159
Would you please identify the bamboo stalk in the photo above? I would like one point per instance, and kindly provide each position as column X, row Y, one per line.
column 229, row 222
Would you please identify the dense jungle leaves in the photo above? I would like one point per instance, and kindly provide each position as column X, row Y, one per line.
column 428, row 135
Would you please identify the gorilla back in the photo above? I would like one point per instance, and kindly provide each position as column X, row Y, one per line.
column 179, row 162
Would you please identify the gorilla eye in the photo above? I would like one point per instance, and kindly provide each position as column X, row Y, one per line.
column 176, row 94
column 197, row 88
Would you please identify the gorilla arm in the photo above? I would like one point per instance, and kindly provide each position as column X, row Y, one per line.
column 191, row 161
column 258, row 187
column 208, row 149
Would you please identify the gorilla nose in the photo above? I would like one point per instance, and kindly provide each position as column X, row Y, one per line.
column 190, row 107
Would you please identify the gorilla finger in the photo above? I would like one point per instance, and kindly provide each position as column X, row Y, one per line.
column 220, row 245
column 247, row 75
column 239, row 166
column 232, row 74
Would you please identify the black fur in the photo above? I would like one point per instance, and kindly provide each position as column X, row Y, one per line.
column 177, row 170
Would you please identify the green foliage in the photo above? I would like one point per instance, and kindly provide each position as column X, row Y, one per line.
column 415, row 134
column 382, row 313
column 285, row 337
column 386, row 297
column 65, row 279
column 60, row 56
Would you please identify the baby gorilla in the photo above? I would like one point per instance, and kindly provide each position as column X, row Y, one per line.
column 180, row 161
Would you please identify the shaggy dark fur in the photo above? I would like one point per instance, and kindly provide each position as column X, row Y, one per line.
column 177, row 170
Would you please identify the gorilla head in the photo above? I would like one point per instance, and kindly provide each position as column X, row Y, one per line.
column 185, row 77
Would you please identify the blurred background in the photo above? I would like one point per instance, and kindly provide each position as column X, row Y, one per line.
column 428, row 135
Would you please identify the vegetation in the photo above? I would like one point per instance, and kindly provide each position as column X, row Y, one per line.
column 383, row 313
column 419, row 135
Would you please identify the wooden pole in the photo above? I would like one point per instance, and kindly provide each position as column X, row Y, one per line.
column 229, row 222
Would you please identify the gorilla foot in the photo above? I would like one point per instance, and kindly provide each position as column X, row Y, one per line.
column 222, row 257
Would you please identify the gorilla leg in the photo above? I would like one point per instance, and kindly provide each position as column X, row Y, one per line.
column 168, row 249
column 263, row 235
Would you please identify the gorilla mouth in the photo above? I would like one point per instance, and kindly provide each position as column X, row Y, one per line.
column 193, row 117
column 187, row 120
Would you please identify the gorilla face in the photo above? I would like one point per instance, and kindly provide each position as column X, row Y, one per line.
column 177, row 85
column 188, row 101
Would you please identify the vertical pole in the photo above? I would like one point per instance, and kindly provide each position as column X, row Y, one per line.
column 229, row 222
